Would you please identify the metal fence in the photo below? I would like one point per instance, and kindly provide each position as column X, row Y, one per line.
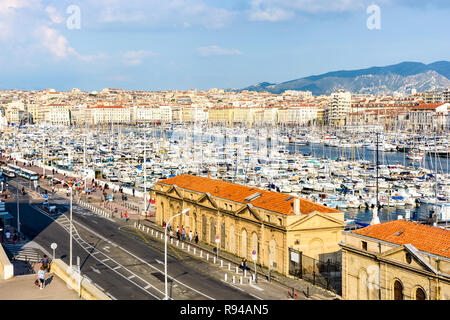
column 325, row 274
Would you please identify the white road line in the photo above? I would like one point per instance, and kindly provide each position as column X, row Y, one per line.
column 132, row 276
column 168, row 276
column 37, row 209
column 115, row 268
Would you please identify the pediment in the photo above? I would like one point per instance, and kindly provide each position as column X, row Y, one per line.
column 173, row 192
column 399, row 255
column 207, row 201
column 248, row 209
column 315, row 220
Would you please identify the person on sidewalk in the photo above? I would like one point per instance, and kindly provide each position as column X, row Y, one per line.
column 45, row 263
column 178, row 233
column 183, row 234
column 196, row 237
column 41, row 277
column 126, row 216
column 244, row 265
column 190, row 235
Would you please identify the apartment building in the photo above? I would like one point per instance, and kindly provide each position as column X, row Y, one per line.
column 101, row 114
column 339, row 108
column 432, row 116
column 58, row 115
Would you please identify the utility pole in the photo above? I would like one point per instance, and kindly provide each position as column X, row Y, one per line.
column 17, row 198
column 70, row 229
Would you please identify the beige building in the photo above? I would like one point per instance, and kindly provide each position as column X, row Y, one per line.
column 110, row 114
column 397, row 260
column 58, row 115
column 246, row 219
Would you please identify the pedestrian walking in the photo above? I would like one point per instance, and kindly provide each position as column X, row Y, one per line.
column 183, row 235
column 178, row 234
column 190, row 236
column 196, row 237
column 41, row 277
column 126, row 216
column 244, row 265
column 45, row 262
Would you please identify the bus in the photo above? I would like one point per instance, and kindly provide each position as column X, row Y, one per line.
column 28, row 174
column 7, row 172
column 22, row 172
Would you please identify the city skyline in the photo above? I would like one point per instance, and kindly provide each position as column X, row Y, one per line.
column 151, row 45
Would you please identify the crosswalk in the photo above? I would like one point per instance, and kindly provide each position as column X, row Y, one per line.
column 21, row 252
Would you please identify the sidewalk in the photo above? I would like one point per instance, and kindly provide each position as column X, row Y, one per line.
column 23, row 288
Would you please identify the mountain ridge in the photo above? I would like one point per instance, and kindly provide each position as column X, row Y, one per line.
column 397, row 78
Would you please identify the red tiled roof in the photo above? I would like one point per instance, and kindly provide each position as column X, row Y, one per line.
column 273, row 201
column 425, row 238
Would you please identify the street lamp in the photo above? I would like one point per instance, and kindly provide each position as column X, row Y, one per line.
column 70, row 263
column 165, row 250
column 18, row 211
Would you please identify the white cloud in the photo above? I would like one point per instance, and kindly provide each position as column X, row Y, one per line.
column 55, row 17
column 281, row 10
column 271, row 15
column 135, row 58
column 216, row 51
column 54, row 42
column 157, row 13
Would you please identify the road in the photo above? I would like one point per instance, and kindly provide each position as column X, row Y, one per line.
column 122, row 261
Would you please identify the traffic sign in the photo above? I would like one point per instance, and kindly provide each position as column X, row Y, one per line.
column 217, row 239
column 53, row 246
column 254, row 256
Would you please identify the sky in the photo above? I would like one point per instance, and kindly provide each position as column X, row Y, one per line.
column 202, row 44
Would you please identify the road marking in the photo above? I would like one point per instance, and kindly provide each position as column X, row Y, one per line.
column 160, row 262
column 105, row 259
column 132, row 276
column 115, row 268
column 95, row 270
column 256, row 287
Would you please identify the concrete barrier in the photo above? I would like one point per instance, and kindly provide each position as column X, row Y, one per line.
column 6, row 267
column 88, row 290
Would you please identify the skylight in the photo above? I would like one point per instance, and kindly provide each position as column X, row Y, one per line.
column 253, row 197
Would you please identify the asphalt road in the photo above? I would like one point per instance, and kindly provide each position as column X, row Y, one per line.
column 124, row 262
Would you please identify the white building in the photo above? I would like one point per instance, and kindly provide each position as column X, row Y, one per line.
column 339, row 108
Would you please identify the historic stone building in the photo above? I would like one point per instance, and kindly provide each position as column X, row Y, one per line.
column 396, row 260
column 245, row 218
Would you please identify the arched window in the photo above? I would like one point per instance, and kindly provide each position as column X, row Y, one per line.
column 398, row 290
column 255, row 244
column 420, row 294
column 212, row 230
column 244, row 243
column 232, row 243
column 222, row 235
column 204, row 223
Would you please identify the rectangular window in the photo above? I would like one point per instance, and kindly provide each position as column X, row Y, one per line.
column 364, row 245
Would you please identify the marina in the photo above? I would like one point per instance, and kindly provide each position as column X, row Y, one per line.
column 333, row 168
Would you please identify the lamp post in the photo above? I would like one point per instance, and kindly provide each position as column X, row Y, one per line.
column 165, row 250
column 70, row 228
column 17, row 198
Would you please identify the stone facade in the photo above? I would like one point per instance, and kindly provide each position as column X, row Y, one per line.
column 374, row 269
column 244, row 227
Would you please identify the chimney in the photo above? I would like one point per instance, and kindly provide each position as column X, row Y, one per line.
column 297, row 206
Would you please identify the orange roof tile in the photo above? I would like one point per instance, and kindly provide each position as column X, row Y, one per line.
column 273, row 201
column 425, row 238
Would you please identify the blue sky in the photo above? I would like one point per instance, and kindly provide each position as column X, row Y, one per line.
column 183, row 44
